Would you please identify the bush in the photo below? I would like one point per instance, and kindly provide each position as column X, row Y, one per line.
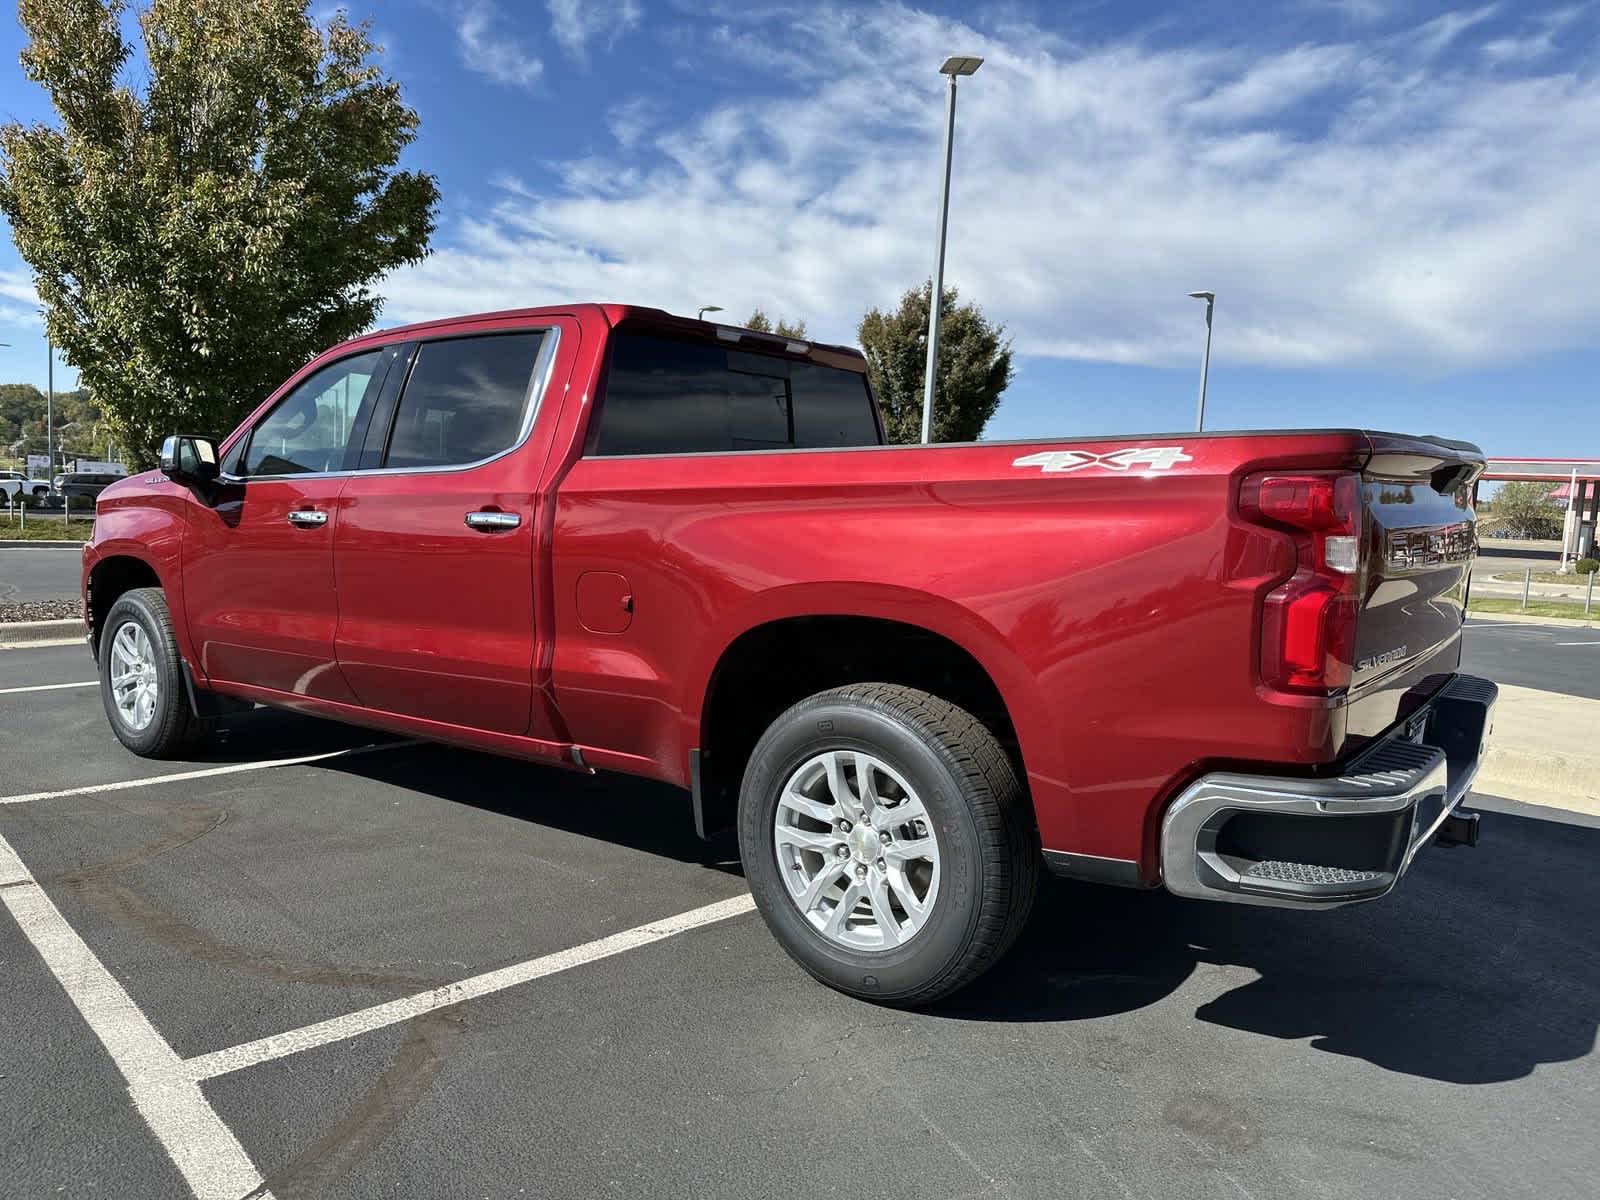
column 1587, row 566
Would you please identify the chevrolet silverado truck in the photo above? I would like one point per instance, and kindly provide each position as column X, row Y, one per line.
column 607, row 538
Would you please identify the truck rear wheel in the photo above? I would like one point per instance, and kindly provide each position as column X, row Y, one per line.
column 887, row 841
column 141, row 679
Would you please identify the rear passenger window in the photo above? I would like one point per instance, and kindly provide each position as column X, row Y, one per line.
column 465, row 400
column 665, row 396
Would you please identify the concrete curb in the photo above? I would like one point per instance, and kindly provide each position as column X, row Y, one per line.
column 39, row 544
column 1550, row 782
column 1541, row 750
column 35, row 633
column 1526, row 619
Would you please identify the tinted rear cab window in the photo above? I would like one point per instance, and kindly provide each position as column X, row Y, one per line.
column 666, row 395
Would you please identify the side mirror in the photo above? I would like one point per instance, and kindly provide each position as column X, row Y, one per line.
column 189, row 458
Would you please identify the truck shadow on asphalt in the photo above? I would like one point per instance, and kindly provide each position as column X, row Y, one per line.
column 1481, row 966
column 625, row 810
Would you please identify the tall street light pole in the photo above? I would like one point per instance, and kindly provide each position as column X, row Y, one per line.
column 50, row 405
column 954, row 66
column 1205, row 359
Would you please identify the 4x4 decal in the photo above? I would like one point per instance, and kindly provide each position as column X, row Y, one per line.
column 1154, row 458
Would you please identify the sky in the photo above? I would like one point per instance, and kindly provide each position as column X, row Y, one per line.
column 1397, row 203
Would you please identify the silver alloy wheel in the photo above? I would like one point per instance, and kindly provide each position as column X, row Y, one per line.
column 135, row 685
column 856, row 850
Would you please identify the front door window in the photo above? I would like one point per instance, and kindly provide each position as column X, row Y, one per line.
column 308, row 431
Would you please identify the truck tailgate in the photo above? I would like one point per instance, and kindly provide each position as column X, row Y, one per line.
column 1419, row 542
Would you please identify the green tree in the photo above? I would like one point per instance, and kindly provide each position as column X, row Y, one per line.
column 195, row 241
column 761, row 323
column 973, row 370
column 22, row 412
column 19, row 403
column 1527, row 506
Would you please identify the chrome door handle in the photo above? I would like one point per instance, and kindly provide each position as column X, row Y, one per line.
column 308, row 517
column 492, row 521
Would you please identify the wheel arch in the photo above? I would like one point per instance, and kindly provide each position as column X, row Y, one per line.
column 108, row 578
column 793, row 651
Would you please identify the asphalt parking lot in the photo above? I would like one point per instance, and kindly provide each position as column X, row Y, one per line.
column 225, row 981
column 38, row 573
column 1552, row 658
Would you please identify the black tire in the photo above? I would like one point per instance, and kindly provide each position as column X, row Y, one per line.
column 173, row 726
column 982, row 821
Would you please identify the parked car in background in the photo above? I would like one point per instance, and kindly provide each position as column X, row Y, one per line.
column 83, row 485
column 14, row 484
column 910, row 677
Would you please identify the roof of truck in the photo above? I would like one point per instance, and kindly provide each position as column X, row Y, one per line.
column 614, row 314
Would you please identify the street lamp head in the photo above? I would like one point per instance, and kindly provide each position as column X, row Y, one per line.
column 961, row 64
column 701, row 315
column 1208, row 297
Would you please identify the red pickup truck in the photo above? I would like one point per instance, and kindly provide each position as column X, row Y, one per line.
column 603, row 536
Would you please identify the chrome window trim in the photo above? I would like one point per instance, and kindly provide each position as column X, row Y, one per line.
column 532, row 405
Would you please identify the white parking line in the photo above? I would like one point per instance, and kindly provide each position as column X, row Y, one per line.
column 49, row 687
column 203, row 1149
column 205, row 772
column 379, row 1016
column 1578, row 643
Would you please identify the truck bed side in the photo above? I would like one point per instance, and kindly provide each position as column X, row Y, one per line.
column 1108, row 602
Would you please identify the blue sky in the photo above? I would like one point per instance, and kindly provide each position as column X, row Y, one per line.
column 1397, row 203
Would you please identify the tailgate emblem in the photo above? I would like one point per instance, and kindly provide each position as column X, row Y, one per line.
column 1156, row 458
column 1422, row 547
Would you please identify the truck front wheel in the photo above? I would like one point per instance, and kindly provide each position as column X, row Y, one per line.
column 887, row 841
column 141, row 681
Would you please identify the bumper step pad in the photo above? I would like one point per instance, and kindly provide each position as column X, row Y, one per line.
column 1291, row 872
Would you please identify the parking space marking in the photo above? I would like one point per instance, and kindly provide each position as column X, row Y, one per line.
column 203, row 1149
column 49, row 687
column 123, row 785
column 380, row 1016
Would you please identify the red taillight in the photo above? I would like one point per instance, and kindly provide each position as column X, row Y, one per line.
column 1308, row 624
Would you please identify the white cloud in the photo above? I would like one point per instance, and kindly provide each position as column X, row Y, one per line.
column 574, row 22
column 631, row 120
column 1349, row 206
column 16, row 283
column 1435, row 36
column 1366, row 12
column 490, row 51
column 1276, row 83
column 1533, row 44
column 1523, row 49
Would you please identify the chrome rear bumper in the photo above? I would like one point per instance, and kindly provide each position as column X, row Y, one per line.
column 1321, row 842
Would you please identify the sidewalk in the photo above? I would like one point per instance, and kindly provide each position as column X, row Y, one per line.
column 1544, row 750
